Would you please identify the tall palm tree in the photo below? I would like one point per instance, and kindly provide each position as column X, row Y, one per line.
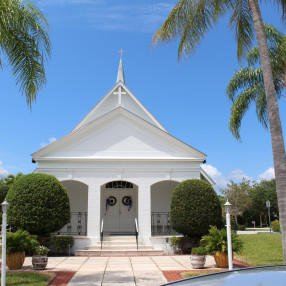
column 192, row 19
column 24, row 40
column 247, row 85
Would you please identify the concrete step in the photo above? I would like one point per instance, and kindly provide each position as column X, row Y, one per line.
column 119, row 247
column 118, row 242
column 118, row 252
column 119, row 238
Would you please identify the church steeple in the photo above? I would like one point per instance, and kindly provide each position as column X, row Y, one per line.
column 120, row 74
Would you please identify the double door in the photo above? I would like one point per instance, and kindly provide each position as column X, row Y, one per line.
column 119, row 208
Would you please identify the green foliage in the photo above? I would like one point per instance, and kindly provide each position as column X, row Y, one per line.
column 241, row 227
column 41, row 250
column 61, row 243
column 200, row 250
column 3, row 193
column 25, row 44
column 38, row 203
column 237, row 195
column 234, row 225
column 20, row 241
column 247, row 84
column 275, row 225
column 216, row 241
column 11, row 179
column 194, row 207
column 259, row 194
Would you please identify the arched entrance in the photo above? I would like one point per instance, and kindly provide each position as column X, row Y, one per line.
column 119, row 206
column 78, row 196
column 161, row 194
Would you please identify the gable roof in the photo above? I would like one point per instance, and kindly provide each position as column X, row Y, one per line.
column 119, row 95
column 64, row 148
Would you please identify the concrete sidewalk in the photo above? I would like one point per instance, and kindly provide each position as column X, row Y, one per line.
column 111, row 271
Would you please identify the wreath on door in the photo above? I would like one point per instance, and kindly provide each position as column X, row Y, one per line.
column 127, row 201
column 110, row 201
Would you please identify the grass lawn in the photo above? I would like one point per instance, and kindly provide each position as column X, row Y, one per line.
column 197, row 273
column 29, row 278
column 261, row 249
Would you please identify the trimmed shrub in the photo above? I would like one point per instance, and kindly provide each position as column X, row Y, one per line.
column 275, row 225
column 61, row 243
column 194, row 208
column 38, row 203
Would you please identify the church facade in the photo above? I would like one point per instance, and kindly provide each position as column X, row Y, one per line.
column 119, row 166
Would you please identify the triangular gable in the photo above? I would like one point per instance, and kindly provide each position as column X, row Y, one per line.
column 119, row 135
column 121, row 96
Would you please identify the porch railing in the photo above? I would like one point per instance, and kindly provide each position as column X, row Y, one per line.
column 77, row 225
column 161, row 224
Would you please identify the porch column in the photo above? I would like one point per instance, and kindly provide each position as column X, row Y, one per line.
column 144, row 210
column 93, row 223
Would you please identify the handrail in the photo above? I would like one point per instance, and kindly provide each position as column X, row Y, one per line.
column 101, row 233
column 136, row 232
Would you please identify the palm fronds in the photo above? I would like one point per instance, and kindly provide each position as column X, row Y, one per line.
column 25, row 41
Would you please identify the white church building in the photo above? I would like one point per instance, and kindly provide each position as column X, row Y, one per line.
column 120, row 167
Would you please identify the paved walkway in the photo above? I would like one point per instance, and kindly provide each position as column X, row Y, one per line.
column 111, row 271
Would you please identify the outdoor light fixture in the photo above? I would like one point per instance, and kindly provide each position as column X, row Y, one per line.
column 227, row 206
column 4, row 226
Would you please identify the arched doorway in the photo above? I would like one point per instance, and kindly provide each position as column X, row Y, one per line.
column 78, row 196
column 119, row 206
column 161, row 194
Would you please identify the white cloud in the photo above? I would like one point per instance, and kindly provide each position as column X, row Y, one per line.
column 100, row 15
column 3, row 171
column 217, row 176
column 51, row 140
column 238, row 175
column 267, row 175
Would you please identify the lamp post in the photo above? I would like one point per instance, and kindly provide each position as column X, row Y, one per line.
column 4, row 226
column 227, row 206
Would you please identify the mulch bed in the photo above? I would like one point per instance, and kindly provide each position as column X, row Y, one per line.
column 173, row 275
column 62, row 278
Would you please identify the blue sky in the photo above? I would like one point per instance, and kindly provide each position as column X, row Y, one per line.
column 187, row 97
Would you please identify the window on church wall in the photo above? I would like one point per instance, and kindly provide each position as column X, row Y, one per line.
column 119, row 185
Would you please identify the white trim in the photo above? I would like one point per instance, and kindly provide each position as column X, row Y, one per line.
column 136, row 159
column 109, row 116
column 83, row 122
column 209, row 179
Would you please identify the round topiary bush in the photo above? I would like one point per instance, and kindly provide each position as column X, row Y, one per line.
column 194, row 208
column 38, row 203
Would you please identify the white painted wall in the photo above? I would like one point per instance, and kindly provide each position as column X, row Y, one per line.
column 161, row 194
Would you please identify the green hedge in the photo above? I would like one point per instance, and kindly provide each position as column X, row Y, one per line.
column 38, row 203
column 194, row 208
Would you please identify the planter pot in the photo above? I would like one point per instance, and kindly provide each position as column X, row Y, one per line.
column 15, row 260
column 221, row 259
column 198, row 261
column 39, row 262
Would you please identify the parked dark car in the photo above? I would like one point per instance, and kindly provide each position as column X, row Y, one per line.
column 258, row 276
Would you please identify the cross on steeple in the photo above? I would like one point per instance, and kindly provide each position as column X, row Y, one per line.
column 121, row 52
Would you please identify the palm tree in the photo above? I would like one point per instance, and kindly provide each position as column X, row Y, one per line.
column 247, row 85
column 192, row 19
column 24, row 40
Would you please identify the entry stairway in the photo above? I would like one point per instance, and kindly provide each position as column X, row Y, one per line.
column 119, row 245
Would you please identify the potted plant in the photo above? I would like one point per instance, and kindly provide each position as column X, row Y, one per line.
column 40, row 259
column 18, row 243
column 216, row 243
column 198, row 257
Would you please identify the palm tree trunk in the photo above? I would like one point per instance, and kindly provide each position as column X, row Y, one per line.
column 278, row 148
